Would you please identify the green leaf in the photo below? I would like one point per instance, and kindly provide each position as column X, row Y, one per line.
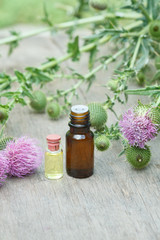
column 73, row 48
column 156, row 76
column 13, row 44
column 37, row 76
column 126, row 97
column 8, row 94
column 90, row 81
column 20, row 77
column 153, row 7
column 144, row 59
column 20, row 100
column 51, row 69
column 4, row 86
column 4, row 77
column 92, row 57
column 121, row 153
column 81, row 6
column 26, row 92
column 46, row 16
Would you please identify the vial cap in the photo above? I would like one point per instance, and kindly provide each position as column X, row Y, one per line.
column 79, row 109
column 53, row 141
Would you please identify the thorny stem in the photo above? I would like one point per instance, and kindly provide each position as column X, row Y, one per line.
column 141, row 34
column 69, row 55
column 68, row 24
column 85, row 48
column 143, row 91
column 87, row 76
column 135, row 52
column 90, row 74
column 144, row 12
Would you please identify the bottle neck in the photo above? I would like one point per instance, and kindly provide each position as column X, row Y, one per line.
column 79, row 122
column 54, row 151
column 79, row 129
column 53, row 146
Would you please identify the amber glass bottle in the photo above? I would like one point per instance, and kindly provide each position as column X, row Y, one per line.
column 79, row 144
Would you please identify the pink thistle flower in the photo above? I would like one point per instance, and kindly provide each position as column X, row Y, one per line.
column 137, row 129
column 24, row 156
column 3, row 168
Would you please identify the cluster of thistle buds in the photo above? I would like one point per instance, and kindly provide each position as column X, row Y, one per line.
column 139, row 125
column 98, row 119
column 39, row 104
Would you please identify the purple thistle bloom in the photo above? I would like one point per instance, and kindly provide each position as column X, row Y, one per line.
column 3, row 168
column 137, row 129
column 24, row 156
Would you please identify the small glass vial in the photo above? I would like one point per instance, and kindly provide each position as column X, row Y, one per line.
column 54, row 158
column 79, row 144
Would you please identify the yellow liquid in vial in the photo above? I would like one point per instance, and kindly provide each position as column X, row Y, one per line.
column 54, row 165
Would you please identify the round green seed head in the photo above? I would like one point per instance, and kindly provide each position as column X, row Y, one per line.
column 54, row 110
column 138, row 157
column 98, row 4
column 154, row 29
column 3, row 114
column 39, row 102
column 113, row 85
column 102, row 143
column 98, row 115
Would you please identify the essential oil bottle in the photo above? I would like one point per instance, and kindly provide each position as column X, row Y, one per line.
column 54, row 158
column 79, row 144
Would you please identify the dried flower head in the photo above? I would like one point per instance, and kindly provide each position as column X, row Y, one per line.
column 137, row 129
column 23, row 155
column 3, row 168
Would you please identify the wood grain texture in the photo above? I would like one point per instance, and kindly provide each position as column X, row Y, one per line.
column 116, row 203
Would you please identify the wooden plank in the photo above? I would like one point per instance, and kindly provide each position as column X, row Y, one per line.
column 117, row 202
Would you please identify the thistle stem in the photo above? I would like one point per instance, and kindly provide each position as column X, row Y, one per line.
column 135, row 52
column 68, row 24
column 86, row 48
column 143, row 10
column 91, row 73
column 142, row 91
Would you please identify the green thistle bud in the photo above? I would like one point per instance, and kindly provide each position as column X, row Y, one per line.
column 98, row 4
column 4, row 141
column 154, row 29
column 157, row 62
column 54, row 110
column 102, row 143
column 39, row 102
column 3, row 114
column 98, row 115
column 138, row 157
column 141, row 78
column 113, row 85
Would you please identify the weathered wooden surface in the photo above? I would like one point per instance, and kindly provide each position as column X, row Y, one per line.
column 116, row 203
